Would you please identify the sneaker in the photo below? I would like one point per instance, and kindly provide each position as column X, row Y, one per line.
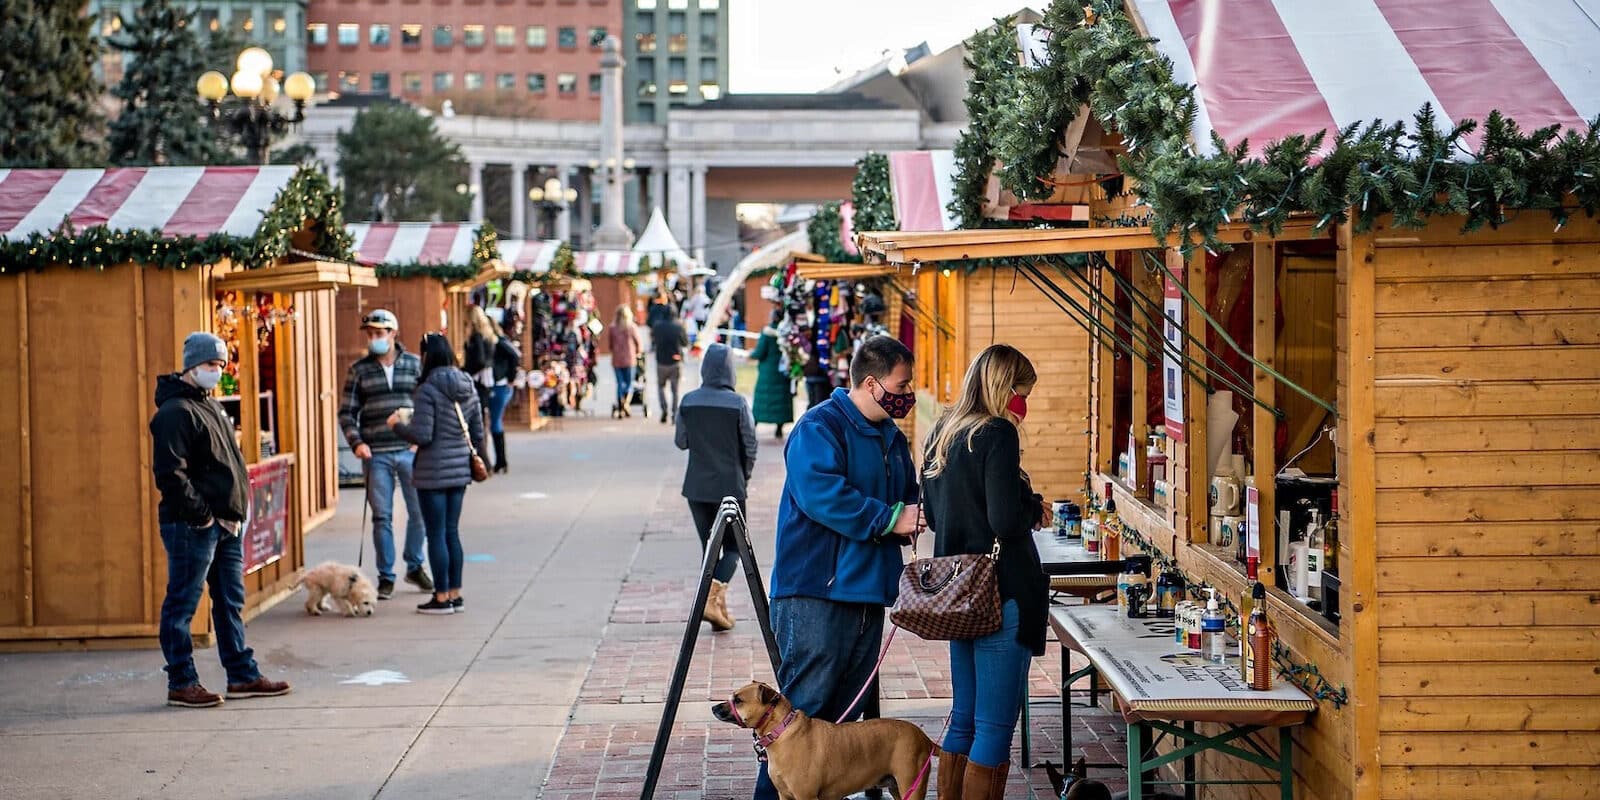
column 385, row 588
column 195, row 696
column 436, row 607
column 260, row 687
column 419, row 579
column 458, row 604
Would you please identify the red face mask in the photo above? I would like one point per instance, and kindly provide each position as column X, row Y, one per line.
column 1018, row 405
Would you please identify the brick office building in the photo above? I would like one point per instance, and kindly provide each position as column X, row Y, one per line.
column 505, row 58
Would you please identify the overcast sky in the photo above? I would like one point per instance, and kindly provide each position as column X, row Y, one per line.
column 805, row 45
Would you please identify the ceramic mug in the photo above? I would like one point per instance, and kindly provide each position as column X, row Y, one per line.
column 1225, row 495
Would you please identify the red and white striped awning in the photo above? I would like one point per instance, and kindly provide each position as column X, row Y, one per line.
column 412, row 242
column 178, row 201
column 607, row 262
column 1266, row 69
column 529, row 256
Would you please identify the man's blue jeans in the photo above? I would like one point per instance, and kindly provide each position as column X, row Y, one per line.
column 196, row 557
column 828, row 651
column 983, row 713
column 384, row 471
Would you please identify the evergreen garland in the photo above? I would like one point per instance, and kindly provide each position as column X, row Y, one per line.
column 992, row 70
column 562, row 266
column 824, row 231
column 871, row 195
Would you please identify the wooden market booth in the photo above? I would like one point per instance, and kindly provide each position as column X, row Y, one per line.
column 1462, row 369
column 252, row 254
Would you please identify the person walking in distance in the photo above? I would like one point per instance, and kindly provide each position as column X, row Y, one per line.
column 715, row 426
column 623, row 341
column 200, row 472
column 506, row 361
column 377, row 385
column 446, row 425
column 774, row 402
column 668, row 339
column 849, row 504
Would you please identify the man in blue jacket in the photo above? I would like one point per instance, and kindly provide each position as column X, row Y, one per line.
column 849, row 504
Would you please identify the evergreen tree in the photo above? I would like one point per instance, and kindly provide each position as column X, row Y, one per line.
column 49, row 115
column 396, row 166
column 162, row 121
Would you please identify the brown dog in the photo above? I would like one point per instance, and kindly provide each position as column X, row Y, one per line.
column 811, row 758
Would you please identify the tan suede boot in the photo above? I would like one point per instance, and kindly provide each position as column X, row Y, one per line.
column 984, row 783
column 714, row 605
column 722, row 605
column 952, row 771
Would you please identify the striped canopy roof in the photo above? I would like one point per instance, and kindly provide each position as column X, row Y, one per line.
column 1266, row 69
column 440, row 244
column 608, row 262
column 178, row 201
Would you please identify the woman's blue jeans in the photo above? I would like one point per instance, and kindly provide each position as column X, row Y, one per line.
column 441, row 514
column 499, row 398
column 624, row 383
column 983, row 713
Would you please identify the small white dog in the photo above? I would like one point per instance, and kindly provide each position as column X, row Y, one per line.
column 345, row 584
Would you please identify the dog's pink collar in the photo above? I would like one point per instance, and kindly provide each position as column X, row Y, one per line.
column 765, row 740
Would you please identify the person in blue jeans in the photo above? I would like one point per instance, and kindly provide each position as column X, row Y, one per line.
column 976, row 496
column 204, row 486
column 377, row 385
column 849, row 504
column 507, row 362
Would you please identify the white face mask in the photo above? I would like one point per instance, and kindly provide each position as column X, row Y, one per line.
column 207, row 377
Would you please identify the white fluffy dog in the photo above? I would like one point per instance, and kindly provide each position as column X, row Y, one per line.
column 345, row 584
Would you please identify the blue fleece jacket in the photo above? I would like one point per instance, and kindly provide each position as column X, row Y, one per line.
column 844, row 477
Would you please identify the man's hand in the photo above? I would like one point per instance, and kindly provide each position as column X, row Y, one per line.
column 907, row 523
column 363, row 452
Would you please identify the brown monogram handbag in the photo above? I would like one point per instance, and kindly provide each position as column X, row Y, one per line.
column 949, row 598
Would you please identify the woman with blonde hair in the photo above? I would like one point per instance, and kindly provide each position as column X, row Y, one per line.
column 976, row 497
column 625, row 344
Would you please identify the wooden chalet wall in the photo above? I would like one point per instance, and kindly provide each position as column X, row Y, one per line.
column 1485, row 447
column 417, row 302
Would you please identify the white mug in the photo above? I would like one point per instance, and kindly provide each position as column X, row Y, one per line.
column 1225, row 495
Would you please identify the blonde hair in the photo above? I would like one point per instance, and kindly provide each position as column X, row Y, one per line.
column 481, row 323
column 998, row 372
column 624, row 316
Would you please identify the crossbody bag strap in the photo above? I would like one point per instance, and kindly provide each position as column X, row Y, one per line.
column 462, row 418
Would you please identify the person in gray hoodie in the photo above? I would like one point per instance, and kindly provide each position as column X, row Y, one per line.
column 445, row 399
column 715, row 426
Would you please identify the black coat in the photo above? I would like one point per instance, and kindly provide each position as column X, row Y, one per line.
column 980, row 495
column 506, row 359
column 197, row 463
column 444, row 461
column 714, row 425
column 477, row 354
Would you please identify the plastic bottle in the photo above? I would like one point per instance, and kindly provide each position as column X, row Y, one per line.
column 1258, row 643
column 1180, row 616
column 1164, row 600
column 1192, row 629
column 1213, row 631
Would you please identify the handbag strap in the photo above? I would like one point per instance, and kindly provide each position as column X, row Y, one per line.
column 462, row 418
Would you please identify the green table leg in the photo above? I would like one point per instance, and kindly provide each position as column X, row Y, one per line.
column 1135, row 760
column 1285, row 764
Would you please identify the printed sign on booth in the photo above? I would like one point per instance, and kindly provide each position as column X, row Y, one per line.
column 267, row 521
column 1172, row 375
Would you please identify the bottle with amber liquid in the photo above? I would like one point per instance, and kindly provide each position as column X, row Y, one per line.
column 1258, row 642
column 1110, row 530
column 1330, row 537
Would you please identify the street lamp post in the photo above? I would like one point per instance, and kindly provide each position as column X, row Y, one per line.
column 552, row 197
column 252, row 119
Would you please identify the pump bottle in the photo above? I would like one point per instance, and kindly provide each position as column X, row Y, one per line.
column 1213, row 630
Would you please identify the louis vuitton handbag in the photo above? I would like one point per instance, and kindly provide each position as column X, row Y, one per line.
column 949, row 598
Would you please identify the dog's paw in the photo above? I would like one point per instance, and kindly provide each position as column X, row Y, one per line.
column 315, row 612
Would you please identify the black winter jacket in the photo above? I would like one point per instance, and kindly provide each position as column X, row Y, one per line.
column 981, row 495
column 197, row 463
column 715, row 426
column 443, row 460
column 506, row 359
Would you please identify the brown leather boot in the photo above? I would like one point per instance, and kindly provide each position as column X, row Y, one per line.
column 714, row 612
column 952, row 771
column 984, row 783
column 722, row 605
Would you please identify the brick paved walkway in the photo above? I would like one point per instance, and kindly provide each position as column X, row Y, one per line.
column 605, row 751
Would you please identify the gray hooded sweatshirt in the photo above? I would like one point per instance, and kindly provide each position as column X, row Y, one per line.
column 443, row 459
column 715, row 426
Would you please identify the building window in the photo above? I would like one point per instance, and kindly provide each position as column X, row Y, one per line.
column 378, row 34
column 567, row 38
column 444, row 81
column 209, row 21
column 472, row 35
column 538, row 36
column 647, row 69
column 677, row 69
column 349, row 81
column 411, row 83
column 567, row 83
column 244, row 23
column 320, row 80
column 679, row 43
column 677, row 4
column 597, row 36
column 678, row 87
column 536, row 82
column 505, row 36
column 708, row 70
column 677, row 23
column 380, row 82
column 712, row 4
column 349, row 34
column 710, row 91
column 506, row 81
column 411, row 35
column 647, row 88
column 472, row 82
column 646, row 42
column 277, row 23
column 647, row 112
column 443, row 36
column 647, row 5
column 316, row 32
column 594, row 83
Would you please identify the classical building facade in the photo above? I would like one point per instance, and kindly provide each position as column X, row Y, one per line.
column 677, row 54
column 277, row 25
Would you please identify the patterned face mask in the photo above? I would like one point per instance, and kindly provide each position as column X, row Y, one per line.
column 898, row 406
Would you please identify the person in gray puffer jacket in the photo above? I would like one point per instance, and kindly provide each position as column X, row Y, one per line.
column 445, row 397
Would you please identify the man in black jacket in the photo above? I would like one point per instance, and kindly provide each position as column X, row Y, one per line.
column 668, row 339
column 204, row 504
column 715, row 426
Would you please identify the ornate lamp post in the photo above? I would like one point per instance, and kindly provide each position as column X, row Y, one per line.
column 252, row 118
column 552, row 197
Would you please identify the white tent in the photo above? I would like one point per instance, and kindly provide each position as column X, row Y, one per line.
column 658, row 246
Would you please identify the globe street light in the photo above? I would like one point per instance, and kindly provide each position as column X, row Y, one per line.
column 552, row 197
column 251, row 116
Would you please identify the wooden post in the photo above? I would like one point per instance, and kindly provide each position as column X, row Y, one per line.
column 1264, row 465
column 146, row 473
column 1197, row 484
column 249, row 382
column 1142, row 335
column 1105, row 458
column 25, row 458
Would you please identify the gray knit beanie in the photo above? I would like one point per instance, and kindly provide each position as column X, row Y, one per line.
column 200, row 347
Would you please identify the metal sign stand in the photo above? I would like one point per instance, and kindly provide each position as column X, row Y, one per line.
column 728, row 515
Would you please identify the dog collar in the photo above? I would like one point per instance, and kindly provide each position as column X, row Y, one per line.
column 764, row 741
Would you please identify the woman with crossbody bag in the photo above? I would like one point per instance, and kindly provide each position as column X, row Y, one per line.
column 978, row 501
column 446, row 425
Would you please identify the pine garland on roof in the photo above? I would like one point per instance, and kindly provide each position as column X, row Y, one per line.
column 871, row 195
column 823, row 232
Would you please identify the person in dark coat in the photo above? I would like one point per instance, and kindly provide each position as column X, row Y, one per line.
column 443, row 466
column 204, row 486
column 668, row 339
column 715, row 426
column 773, row 401
column 505, row 362
column 975, row 497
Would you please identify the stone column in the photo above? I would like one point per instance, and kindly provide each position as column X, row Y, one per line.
column 564, row 215
column 475, row 188
column 613, row 233
column 519, row 200
column 657, row 197
column 698, row 226
column 678, row 213
column 586, row 232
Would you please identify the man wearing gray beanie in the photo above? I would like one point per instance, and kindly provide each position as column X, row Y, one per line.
column 204, row 499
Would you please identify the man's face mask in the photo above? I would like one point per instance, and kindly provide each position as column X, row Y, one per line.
column 206, row 377
column 378, row 345
column 898, row 406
